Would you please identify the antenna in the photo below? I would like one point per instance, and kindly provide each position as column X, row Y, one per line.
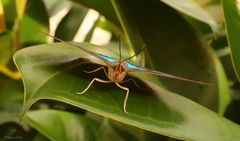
column 119, row 47
column 144, row 46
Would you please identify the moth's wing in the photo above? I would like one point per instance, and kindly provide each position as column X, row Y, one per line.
column 105, row 59
column 134, row 68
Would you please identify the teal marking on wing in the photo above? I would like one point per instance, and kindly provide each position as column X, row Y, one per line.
column 131, row 66
column 109, row 59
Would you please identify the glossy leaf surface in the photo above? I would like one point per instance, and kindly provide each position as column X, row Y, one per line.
column 54, row 71
column 192, row 9
column 62, row 126
column 232, row 20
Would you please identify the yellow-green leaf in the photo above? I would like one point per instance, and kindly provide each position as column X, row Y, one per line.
column 231, row 10
column 20, row 7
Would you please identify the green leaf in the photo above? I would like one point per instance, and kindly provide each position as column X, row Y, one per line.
column 172, row 46
column 9, row 13
column 127, row 132
column 11, row 96
column 35, row 21
column 53, row 71
column 9, row 112
column 224, row 98
column 70, row 24
column 66, row 126
column 200, row 26
column 104, row 7
column 192, row 9
column 11, row 91
column 232, row 13
column 40, row 137
column 5, row 48
column 62, row 126
column 117, row 130
column 105, row 25
column 10, row 101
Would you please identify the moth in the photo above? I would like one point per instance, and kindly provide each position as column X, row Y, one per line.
column 118, row 69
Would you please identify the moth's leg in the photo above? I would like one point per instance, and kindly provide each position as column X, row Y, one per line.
column 89, row 85
column 133, row 80
column 126, row 97
column 97, row 70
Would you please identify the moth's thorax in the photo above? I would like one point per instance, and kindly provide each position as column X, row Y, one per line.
column 117, row 71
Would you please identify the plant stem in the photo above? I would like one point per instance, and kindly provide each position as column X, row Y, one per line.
column 14, row 75
column 16, row 36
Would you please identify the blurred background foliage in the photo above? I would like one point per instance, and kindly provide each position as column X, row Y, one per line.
column 205, row 29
